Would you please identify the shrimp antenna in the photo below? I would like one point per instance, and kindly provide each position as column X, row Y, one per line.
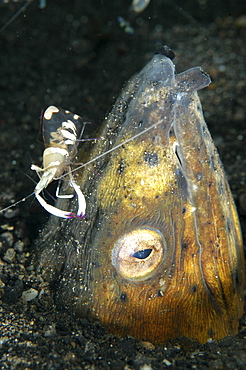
column 15, row 204
column 42, row 5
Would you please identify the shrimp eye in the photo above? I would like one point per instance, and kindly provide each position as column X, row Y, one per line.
column 138, row 254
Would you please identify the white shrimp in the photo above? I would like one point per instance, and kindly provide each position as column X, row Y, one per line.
column 60, row 131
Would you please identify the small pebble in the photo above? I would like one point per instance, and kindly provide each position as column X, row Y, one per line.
column 145, row 367
column 9, row 256
column 148, row 345
column 2, row 285
column 139, row 5
column 7, row 239
column 7, row 227
column 50, row 332
column 3, row 340
column 166, row 362
column 19, row 246
column 30, row 294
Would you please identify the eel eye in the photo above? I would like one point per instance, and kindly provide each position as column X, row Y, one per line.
column 137, row 254
column 142, row 254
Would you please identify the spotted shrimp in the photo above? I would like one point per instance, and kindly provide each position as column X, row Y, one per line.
column 60, row 133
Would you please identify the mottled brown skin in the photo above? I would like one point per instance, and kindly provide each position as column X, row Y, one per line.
column 170, row 180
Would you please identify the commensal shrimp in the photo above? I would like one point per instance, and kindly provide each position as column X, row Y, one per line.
column 60, row 133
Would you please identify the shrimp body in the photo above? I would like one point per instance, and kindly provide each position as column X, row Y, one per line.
column 60, row 138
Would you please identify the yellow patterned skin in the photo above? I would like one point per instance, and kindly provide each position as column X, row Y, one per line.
column 159, row 254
